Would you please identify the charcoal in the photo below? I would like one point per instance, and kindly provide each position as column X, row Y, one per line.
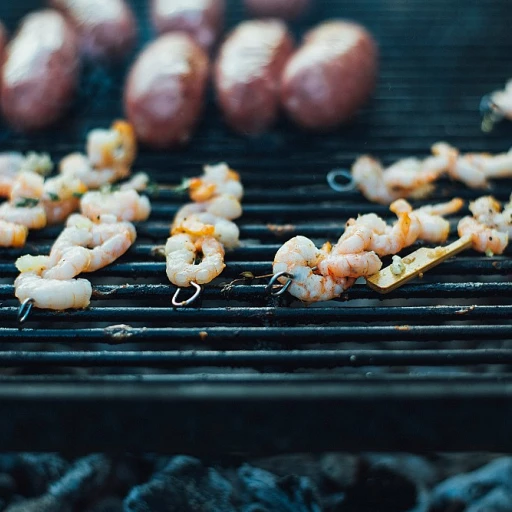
column 46, row 503
column 380, row 488
column 86, row 477
column 339, row 469
column 498, row 500
column 470, row 487
column 333, row 502
column 108, row 504
column 449, row 464
column 265, row 492
column 184, row 484
column 283, row 465
column 418, row 468
column 33, row 473
column 7, row 486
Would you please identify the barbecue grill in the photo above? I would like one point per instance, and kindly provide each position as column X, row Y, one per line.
column 426, row 367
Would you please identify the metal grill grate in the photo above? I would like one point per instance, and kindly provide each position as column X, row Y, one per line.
column 424, row 368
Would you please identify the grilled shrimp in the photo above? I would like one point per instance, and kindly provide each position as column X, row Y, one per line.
column 76, row 165
column 73, row 261
column 475, row 169
column 182, row 250
column 410, row 177
column 138, row 182
column 370, row 233
column 217, row 179
column 53, row 293
column 32, row 217
column 503, row 100
column 104, row 242
column 361, row 264
column 210, row 218
column 484, row 239
column 487, row 210
column 26, row 185
column 205, row 224
column 427, row 222
column 61, row 197
column 12, row 235
column 110, row 239
column 10, row 164
column 123, row 204
column 225, row 206
column 112, row 148
column 300, row 257
column 413, row 172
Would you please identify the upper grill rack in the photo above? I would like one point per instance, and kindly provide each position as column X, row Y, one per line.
column 247, row 372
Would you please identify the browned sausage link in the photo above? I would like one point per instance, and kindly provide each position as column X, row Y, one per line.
column 285, row 9
column 331, row 76
column 40, row 73
column 202, row 19
column 248, row 72
column 107, row 28
column 164, row 92
column 3, row 38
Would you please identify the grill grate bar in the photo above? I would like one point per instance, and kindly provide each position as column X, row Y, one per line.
column 275, row 314
column 262, row 359
column 253, row 292
column 289, row 336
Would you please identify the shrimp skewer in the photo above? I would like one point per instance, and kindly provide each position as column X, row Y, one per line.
column 83, row 246
column 56, row 294
column 415, row 178
column 205, row 228
column 409, row 177
column 367, row 238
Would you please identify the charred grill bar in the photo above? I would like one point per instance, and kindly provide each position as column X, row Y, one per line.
column 427, row 367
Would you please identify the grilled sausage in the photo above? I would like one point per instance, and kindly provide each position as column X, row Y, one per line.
column 40, row 72
column 164, row 92
column 3, row 38
column 285, row 9
column 202, row 19
column 331, row 76
column 248, row 72
column 107, row 28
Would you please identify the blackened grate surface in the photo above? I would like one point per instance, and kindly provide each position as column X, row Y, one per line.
column 425, row 368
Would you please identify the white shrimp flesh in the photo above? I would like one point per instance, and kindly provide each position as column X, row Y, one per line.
column 182, row 252
column 123, row 204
